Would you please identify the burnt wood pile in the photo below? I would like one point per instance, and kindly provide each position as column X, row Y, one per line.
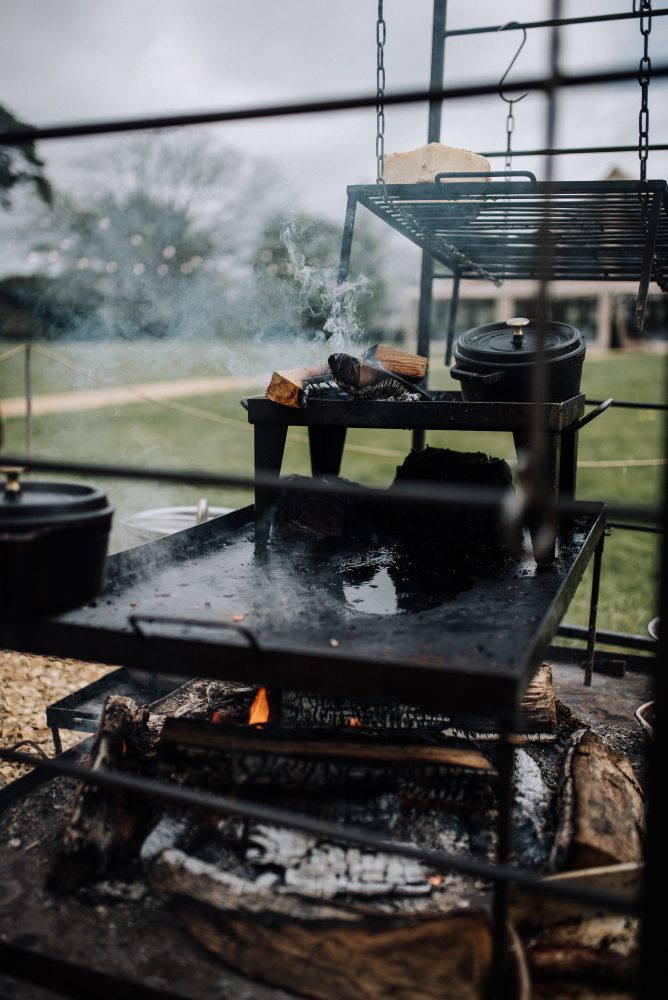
column 326, row 919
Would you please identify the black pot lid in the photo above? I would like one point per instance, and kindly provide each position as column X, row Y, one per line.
column 41, row 504
column 517, row 341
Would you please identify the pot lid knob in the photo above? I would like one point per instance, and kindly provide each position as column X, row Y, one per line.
column 12, row 472
column 518, row 323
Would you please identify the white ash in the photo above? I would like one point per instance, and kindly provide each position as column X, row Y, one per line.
column 532, row 796
column 324, row 870
column 168, row 832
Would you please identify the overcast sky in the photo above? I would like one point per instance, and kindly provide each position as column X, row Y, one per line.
column 77, row 60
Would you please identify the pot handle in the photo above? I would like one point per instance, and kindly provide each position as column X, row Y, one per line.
column 464, row 376
column 136, row 620
column 596, row 412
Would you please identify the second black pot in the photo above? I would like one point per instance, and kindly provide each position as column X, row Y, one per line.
column 496, row 362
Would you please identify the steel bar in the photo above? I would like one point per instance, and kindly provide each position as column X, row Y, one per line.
column 259, row 812
column 18, row 137
column 652, row 936
column 573, row 150
column 504, row 830
column 624, row 640
column 651, row 529
column 424, row 495
column 452, row 318
column 629, row 404
column 28, row 397
column 593, row 612
column 551, row 22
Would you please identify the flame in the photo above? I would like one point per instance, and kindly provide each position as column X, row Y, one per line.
column 216, row 716
column 124, row 746
column 354, row 721
column 259, row 710
column 435, row 880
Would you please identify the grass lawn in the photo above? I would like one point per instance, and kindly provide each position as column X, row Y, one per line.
column 221, row 440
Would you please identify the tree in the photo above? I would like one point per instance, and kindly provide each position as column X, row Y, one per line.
column 147, row 240
column 20, row 164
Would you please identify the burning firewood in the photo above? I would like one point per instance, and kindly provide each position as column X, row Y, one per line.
column 223, row 756
column 293, row 387
column 363, row 379
column 601, row 816
column 324, row 951
column 107, row 825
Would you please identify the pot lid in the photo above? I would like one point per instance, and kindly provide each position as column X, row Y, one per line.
column 28, row 504
column 517, row 341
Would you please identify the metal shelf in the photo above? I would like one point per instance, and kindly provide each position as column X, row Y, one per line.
column 508, row 229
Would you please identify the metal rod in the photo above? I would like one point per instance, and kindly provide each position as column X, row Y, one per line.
column 593, row 612
column 18, row 137
column 652, row 940
column 554, row 23
column 635, row 527
column 452, row 318
column 27, row 370
column 426, row 494
column 504, row 829
column 625, row 640
column 259, row 812
column 573, row 150
column 628, row 404
column 437, row 70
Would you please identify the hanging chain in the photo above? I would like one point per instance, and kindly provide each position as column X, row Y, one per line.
column 435, row 243
column 381, row 36
column 510, row 128
column 644, row 8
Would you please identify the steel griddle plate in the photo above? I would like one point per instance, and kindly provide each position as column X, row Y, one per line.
column 342, row 624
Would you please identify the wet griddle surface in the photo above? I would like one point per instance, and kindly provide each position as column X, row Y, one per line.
column 290, row 615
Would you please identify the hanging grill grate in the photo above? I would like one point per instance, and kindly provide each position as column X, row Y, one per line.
column 596, row 229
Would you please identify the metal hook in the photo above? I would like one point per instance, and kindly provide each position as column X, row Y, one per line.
column 512, row 100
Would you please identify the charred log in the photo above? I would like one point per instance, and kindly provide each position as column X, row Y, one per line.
column 107, row 826
column 215, row 755
column 320, row 950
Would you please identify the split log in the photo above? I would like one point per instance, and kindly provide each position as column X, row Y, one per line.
column 291, row 387
column 107, row 825
column 323, row 951
column 215, row 755
column 600, row 808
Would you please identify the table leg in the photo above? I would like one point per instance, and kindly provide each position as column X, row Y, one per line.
column 269, row 444
column 326, row 449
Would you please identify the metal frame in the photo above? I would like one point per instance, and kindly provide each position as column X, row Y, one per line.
column 500, row 873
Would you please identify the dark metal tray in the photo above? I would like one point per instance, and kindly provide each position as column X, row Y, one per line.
column 170, row 605
column 445, row 411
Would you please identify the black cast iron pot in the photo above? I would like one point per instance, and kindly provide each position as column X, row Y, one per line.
column 53, row 545
column 495, row 362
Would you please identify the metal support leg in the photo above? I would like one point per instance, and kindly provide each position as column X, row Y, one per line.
column 326, row 448
column 57, row 742
column 648, row 261
column 452, row 318
column 505, row 801
column 568, row 466
column 593, row 611
column 269, row 446
column 347, row 239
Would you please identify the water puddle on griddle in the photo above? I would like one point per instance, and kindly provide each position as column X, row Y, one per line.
column 377, row 596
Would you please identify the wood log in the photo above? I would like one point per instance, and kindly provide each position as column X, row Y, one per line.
column 413, row 367
column 215, row 755
column 287, row 385
column 107, row 826
column 323, row 951
column 600, row 808
column 573, row 939
column 537, row 714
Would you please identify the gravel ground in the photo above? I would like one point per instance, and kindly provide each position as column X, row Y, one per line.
column 29, row 684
